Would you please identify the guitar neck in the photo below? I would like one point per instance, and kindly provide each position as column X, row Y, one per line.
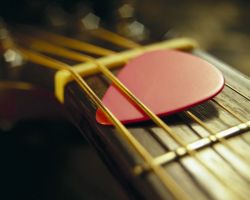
column 217, row 142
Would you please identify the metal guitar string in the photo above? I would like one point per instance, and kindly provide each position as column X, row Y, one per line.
column 65, row 41
column 112, row 78
column 237, row 91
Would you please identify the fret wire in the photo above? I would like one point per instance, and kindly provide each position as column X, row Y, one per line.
column 238, row 163
column 222, row 140
column 166, row 179
column 69, row 42
column 196, row 145
column 237, row 91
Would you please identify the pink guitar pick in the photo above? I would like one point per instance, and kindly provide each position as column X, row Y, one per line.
column 166, row 81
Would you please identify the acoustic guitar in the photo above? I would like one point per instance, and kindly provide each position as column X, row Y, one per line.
column 199, row 153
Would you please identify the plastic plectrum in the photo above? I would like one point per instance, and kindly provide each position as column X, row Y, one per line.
column 166, row 81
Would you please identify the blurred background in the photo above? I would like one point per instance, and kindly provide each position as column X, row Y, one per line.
column 42, row 155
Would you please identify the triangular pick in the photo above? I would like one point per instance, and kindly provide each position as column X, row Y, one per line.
column 166, row 81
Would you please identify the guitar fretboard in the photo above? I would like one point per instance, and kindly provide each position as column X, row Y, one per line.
column 219, row 138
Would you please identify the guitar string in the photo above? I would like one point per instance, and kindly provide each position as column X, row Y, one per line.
column 65, row 41
column 239, row 118
column 236, row 116
column 100, row 33
column 166, row 179
column 237, row 91
column 46, row 47
column 114, row 38
column 156, row 119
